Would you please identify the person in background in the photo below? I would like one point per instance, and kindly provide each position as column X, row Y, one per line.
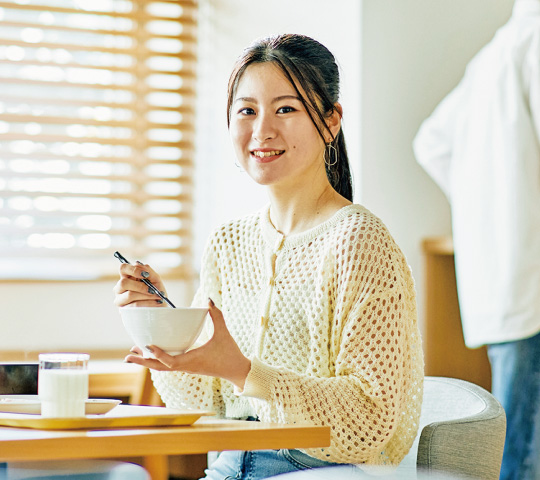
column 312, row 303
column 482, row 147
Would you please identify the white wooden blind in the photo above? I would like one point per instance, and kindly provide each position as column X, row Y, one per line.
column 96, row 136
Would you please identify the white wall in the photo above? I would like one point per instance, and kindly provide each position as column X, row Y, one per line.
column 398, row 59
column 413, row 53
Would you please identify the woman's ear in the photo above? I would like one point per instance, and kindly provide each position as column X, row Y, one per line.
column 333, row 121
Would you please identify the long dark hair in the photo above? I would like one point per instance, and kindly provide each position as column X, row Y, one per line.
column 305, row 61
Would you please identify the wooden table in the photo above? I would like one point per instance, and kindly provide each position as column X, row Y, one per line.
column 155, row 444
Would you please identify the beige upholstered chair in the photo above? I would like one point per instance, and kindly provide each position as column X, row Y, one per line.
column 462, row 430
column 461, row 436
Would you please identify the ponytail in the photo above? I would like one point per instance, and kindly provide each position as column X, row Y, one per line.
column 338, row 169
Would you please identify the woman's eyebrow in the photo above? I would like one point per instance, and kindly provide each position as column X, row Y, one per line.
column 285, row 97
column 245, row 99
column 275, row 100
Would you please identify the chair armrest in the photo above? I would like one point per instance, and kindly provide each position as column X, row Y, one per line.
column 441, row 443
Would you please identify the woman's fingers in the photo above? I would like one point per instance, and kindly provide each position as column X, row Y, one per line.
column 162, row 361
column 130, row 289
column 129, row 284
column 217, row 317
column 163, row 357
column 137, row 353
column 141, row 272
column 137, row 299
column 146, row 362
column 136, row 350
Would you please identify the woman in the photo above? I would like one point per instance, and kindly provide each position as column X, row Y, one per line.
column 312, row 303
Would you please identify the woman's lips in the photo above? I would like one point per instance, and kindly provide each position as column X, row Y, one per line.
column 264, row 156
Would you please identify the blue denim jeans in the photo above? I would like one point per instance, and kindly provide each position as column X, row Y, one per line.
column 259, row 464
column 515, row 368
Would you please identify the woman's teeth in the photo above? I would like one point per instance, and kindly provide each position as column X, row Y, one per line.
column 260, row 154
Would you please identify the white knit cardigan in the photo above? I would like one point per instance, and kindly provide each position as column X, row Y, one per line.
column 328, row 318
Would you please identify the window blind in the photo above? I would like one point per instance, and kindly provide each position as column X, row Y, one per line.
column 96, row 136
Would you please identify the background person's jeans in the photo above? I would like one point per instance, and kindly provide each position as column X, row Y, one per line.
column 515, row 368
column 260, row 464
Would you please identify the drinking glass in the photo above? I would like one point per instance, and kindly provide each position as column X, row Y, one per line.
column 63, row 384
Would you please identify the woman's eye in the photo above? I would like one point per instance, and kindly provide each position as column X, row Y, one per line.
column 247, row 111
column 286, row 110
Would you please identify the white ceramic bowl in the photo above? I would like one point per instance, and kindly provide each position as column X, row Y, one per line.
column 171, row 329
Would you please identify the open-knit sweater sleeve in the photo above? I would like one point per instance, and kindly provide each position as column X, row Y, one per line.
column 328, row 318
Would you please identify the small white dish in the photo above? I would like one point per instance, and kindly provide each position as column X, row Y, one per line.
column 31, row 404
column 20, row 404
column 99, row 406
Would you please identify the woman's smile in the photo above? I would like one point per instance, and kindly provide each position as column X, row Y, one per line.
column 265, row 156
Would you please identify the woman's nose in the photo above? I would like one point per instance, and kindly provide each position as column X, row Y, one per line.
column 264, row 128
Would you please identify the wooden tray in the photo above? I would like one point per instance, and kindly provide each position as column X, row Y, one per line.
column 123, row 416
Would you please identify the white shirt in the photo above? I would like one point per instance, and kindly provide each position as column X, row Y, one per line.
column 482, row 146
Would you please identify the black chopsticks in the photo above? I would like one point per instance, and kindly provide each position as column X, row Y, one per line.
column 148, row 283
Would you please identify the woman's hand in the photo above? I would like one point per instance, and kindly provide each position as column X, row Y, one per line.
column 219, row 357
column 130, row 290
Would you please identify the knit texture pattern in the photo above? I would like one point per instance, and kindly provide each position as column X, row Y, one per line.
column 328, row 318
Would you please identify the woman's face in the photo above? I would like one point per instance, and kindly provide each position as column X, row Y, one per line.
column 274, row 138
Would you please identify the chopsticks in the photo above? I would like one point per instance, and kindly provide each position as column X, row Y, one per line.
column 148, row 283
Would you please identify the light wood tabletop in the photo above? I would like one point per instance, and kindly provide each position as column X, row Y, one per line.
column 155, row 444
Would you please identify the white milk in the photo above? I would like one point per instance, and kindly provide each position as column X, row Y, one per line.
column 63, row 392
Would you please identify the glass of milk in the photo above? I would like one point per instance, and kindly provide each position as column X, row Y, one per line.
column 63, row 384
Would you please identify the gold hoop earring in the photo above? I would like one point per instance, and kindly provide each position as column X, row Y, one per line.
column 330, row 155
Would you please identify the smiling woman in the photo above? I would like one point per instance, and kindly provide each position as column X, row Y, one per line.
column 312, row 303
column 96, row 135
